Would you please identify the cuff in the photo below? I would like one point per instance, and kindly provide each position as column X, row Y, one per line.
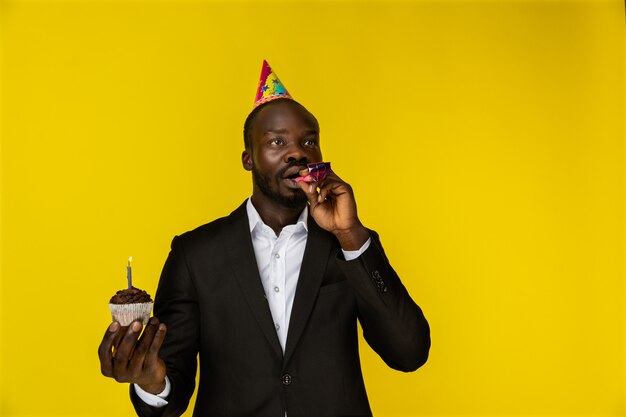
column 158, row 400
column 350, row 255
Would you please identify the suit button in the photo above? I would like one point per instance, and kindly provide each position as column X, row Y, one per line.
column 378, row 280
column 286, row 379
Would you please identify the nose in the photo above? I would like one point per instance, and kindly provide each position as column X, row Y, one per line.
column 297, row 153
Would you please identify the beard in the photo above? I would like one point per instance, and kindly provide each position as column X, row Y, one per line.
column 297, row 198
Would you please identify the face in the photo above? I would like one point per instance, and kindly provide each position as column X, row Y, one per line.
column 284, row 137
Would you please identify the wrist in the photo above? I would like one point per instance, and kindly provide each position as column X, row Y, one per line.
column 352, row 239
column 155, row 388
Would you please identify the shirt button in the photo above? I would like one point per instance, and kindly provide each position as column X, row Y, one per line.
column 276, row 289
column 277, row 326
column 286, row 379
column 277, row 256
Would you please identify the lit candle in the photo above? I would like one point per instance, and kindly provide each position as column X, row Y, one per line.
column 129, row 273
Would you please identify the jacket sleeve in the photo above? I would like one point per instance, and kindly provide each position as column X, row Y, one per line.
column 176, row 305
column 393, row 325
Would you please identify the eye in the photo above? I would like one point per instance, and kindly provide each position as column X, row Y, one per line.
column 310, row 142
column 277, row 141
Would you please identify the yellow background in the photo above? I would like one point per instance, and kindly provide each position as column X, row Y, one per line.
column 484, row 141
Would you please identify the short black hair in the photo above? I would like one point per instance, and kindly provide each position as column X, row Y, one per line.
column 248, row 123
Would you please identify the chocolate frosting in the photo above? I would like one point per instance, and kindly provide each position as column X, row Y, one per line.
column 130, row 296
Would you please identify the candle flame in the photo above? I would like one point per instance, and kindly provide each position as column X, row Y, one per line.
column 130, row 259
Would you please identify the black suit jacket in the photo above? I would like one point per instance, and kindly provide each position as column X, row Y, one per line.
column 211, row 298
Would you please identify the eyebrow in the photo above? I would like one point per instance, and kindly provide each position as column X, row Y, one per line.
column 276, row 131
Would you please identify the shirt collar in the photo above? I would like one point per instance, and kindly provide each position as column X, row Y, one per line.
column 254, row 218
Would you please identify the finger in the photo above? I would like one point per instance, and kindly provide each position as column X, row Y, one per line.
column 310, row 190
column 141, row 348
column 331, row 176
column 331, row 179
column 323, row 195
column 105, row 349
column 330, row 188
column 118, row 338
column 124, row 351
column 325, row 188
column 153, row 353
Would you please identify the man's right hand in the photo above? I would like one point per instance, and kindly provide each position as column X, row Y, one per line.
column 126, row 357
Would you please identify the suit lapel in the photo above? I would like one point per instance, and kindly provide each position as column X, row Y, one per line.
column 316, row 253
column 243, row 261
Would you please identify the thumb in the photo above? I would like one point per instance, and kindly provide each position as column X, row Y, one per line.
column 310, row 190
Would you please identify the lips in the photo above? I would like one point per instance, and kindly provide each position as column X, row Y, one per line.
column 290, row 174
column 293, row 172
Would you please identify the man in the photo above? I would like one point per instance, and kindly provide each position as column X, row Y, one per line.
column 269, row 296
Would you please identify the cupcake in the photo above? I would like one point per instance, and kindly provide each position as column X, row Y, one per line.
column 130, row 304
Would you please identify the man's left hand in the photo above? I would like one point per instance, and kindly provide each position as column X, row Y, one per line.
column 334, row 209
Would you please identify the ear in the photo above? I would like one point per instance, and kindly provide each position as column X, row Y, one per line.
column 246, row 160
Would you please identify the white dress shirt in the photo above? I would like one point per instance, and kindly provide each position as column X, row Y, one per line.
column 279, row 259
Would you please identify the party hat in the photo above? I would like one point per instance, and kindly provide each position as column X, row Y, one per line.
column 270, row 87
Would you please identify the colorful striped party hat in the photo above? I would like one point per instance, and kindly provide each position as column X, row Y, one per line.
column 270, row 87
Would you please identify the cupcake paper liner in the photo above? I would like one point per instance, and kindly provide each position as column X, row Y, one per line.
column 125, row 314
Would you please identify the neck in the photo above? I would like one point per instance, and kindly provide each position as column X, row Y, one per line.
column 273, row 214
